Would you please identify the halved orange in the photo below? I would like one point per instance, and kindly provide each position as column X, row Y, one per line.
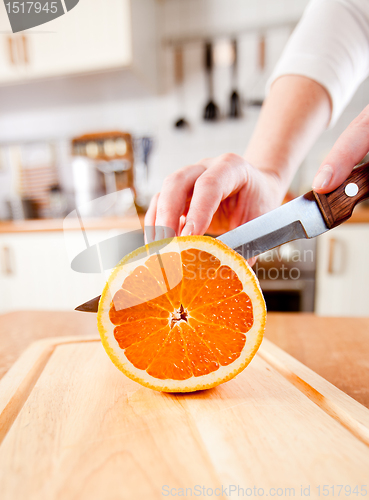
column 182, row 317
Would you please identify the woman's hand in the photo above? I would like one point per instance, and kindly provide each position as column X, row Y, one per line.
column 349, row 149
column 218, row 194
column 214, row 195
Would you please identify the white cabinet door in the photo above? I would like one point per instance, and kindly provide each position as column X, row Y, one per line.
column 94, row 36
column 12, row 51
column 6, row 275
column 342, row 287
column 35, row 273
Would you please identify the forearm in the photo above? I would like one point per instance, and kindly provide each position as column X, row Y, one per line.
column 293, row 116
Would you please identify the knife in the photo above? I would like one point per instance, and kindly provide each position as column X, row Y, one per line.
column 305, row 217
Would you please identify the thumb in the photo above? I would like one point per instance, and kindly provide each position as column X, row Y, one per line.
column 349, row 149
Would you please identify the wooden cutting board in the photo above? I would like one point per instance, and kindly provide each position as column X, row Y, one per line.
column 73, row 427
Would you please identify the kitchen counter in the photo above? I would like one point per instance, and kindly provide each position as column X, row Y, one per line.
column 335, row 348
column 360, row 215
column 49, row 225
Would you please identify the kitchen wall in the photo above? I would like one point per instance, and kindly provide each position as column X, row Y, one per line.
column 62, row 108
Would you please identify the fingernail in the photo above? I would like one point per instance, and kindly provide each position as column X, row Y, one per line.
column 189, row 228
column 323, row 177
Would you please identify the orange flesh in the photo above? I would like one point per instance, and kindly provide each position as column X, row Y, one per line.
column 181, row 315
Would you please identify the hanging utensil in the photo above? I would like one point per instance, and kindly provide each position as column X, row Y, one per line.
column 211, row 111
column 147, row 145
column 179, row 81
column 143, row 150
column 261, row 52
column 261, row 58
column 235, row 107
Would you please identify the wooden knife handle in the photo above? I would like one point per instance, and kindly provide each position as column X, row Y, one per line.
column 338, row 205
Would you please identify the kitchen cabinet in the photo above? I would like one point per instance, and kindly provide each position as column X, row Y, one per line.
column 13, row 65
column 342, row 280
column 94, row 36
column 35, row 271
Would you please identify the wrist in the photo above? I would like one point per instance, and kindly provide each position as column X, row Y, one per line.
column 275, row 175
column 277, row 184
column 275, row 161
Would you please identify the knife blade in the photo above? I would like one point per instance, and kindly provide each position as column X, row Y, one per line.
column 307, row 216
column 300, row 218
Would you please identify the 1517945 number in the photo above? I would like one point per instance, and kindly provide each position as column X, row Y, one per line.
column 342, row 490
column 28, row 7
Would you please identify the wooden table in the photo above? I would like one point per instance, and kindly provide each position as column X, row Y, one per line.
column 335, row 348
column 73, row 427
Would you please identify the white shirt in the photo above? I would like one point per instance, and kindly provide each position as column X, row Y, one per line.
column 331, row 46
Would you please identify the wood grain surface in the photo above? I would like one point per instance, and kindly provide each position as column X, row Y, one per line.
column 85, row 431
column 19, row 329
column 335, row 348
column 50, row 225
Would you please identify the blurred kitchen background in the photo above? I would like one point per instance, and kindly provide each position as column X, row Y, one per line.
column 113, row 96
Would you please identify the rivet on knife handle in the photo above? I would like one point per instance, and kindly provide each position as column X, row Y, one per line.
column 338, row 205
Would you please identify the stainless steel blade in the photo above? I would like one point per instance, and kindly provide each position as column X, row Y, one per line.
column 300, row 218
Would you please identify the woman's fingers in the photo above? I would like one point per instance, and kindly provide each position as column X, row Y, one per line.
column 171, row 203
column 150, row 219
column 205, row 201
column 349, row 149
column 209, row 182
column 227, row 174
